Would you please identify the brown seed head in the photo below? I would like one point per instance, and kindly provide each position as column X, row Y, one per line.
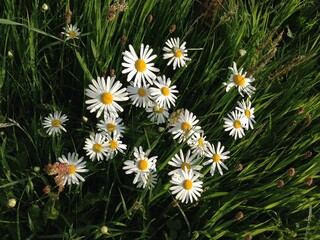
column 239, row 216
column 123, row 39
column 68, row 16
column 280, row 183
column 172, row 28
column 150, row 18
column 239, row 167
column 300, row 110
column 248, row 237
column 291, row 172
column 308, row 181
column 112, row 72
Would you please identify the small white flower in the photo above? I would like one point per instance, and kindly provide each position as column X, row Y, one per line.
column 164, row 92
column 185, row 126
column 140, row 96
column 115, row 145
column 96, row 147
column 198, row 144
column 140, row 67
column 176, row 53
column 111, row 125
column 186, row 186
column 181, row 161
column 216, row 155
column 248, row 112
column 71, row 31
column 104, row 96
column 151, row 181
column 157, row 114
column 55, row 123
column 240, row 81
column 75, row 166
column 235, row 124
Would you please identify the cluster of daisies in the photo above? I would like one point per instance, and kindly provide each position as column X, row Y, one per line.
column 155, row 93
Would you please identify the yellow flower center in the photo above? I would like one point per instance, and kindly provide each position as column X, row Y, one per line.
column 200, row 142
column 113, row 144
column 247, row 113
column 72, row 169
column 185, row 165
column 111, row 127
column 185, row 126
column 216, row 158
column 178, row 53
column 143, row 164
column 165, row 91
column 187, row 184
column 106, row 98
column 97, row 147
column 56, row 123
column 239, row 80
column 237, row 124
column 140, row 65
column 72, row 34
column 142, row 92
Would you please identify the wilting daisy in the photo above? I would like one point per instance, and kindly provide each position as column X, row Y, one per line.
column 96, row 147
column 115, row 145
column 151, row 181
column 141, row 165
column 245, row 108
column 157, row 114
column 240, row 81
column 186, row 186
column 104, row 95
column 185, row 126
column 140, row 96
column 198, row 144
column 176, row 52
column 235, row 124
column 55, row 123
column 71, row 31
column 188, row 161
column 111, row 125
column 216, row 156
column 75, row 166
column 164, row 93
column 140, row 67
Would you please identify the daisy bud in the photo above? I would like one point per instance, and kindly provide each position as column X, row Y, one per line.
column 242, row 52
column 300, row 110
column 111, row 15
column 150, row 18
column 68, row 16
column 12, row 203
column 137, row 205
column 84, row 119
column 44, row 7
column 248, row 237
column 161, row 129
column 104, row 230
column 239, row 167
column 280, row 183
column 172, row 28
column 291, row 172
column 307, row 155
column 112, row 72
column 239, row 216
column 308, row 181
column 10, row 54
column 36, row 169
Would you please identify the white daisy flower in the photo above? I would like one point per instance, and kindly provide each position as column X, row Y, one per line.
column 198, row 144
column 164, row 93
column 235, row 124
column 186, row 186
column 115, row 145
column 141, row 165
column 111, row 125
column 96, row 147
column 157, row 114
column 151, row 181
column 104, row 95
column 71, row 31
column 248, row 112
column 140, row 67
column 140, row 96
column 188, row 161
column 55, row 123
column 75, row 166
column 185, row 126
column 176, row 52
column 240, row 81
column 216, row 155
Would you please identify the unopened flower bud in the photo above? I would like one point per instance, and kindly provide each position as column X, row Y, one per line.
column 248, row 237
column 291, row 172
column 172, row 28
column 308, row 181
column 68, row 16
column 123, row 40
column 44, row 7
column 150, row 18
column 242, row 52
column 239, row 167
column 112, row 72
column 104, row 230
column 10, row 54
column 36, row 169
column 46, row 189
column 12, row 203
column 239, row 216
column 84, row 119
column 280, row 183
column 300, row 110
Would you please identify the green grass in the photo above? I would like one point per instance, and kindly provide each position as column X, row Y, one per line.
column 46, row 73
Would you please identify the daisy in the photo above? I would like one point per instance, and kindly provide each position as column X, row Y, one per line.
column 111, row 125
column 184, row 162
column 216, row 155
column 96, row 147
column 140, row 67
column 235, row 124
column 163, row 93
column 151, row 181
column 55, row 123
column 140, row 96
column 75, row 166
column 240, row 81
column 245, row 108
column 186, row 186
column 141, row 165
column 198, row 144
column 115, row 145
column 104, row 95
column 71, row 31
column 185, row 126
column 176, row 52
column 157, row 114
